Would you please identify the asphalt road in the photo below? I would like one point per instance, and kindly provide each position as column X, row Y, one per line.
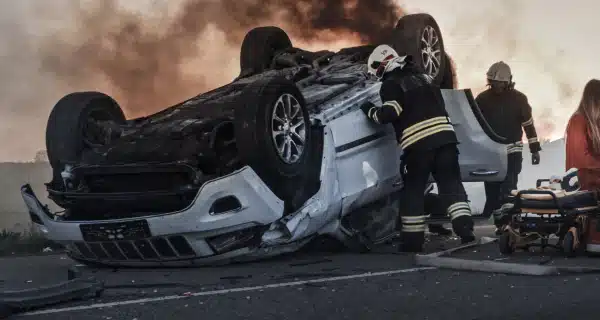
column 380, row 285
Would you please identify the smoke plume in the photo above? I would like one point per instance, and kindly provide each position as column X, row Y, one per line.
column 144, row 62
column 150, row 54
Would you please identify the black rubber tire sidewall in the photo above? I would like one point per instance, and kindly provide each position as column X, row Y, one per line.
column 406, row 39
column 64, row 141
column 259, row 48
column 253, row 135
column 449, row 79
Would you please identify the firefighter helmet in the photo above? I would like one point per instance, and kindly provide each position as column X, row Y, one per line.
column 383, row 60
column 499, row 71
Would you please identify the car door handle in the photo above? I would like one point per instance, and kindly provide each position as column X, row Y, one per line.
column 484, row 173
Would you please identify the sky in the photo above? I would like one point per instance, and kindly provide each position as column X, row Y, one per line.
column 50, row 49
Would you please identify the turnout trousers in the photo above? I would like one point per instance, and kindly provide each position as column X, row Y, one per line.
column 496, row 193
column 417, row 166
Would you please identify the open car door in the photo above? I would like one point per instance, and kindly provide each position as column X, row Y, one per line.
column 483, row 154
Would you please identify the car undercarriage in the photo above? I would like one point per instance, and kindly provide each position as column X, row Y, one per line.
column 280, row 156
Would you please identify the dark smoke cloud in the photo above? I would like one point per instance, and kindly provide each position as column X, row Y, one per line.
column 370, row 20
column 140, row 59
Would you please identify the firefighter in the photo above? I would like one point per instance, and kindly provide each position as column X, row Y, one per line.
column 434, row 207
column 416, row 109
column 508, row 113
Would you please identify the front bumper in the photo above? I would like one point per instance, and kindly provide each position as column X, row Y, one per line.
column 190, row 236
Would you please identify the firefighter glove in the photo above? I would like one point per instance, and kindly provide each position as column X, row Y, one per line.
column 535, row 158
column 366, row 107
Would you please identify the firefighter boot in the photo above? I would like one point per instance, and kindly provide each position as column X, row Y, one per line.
column 501, row 217
column 439, row 229
column 412, row 233
column 412, row 242
column 467, row 238
column 462, row 222
column 463, row 227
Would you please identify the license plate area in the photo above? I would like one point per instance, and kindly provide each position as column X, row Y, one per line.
column 118, row 231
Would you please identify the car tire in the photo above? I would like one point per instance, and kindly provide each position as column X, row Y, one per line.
column 410, row 38
column 259, row 144
column 259, row 47
column 65, row 130
column 449, row 80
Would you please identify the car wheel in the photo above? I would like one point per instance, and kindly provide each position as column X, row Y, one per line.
column 67, row 130
column 419, row 36
column 259, row 47
column 272, row 130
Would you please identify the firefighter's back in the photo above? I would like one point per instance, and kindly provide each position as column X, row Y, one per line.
column 504, row 112
column 424, row 124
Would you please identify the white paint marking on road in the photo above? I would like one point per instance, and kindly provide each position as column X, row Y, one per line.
column 226, row 291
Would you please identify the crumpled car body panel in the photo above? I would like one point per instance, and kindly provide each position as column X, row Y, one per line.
column 235, row 216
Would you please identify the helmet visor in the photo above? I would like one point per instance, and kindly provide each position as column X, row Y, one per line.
column 380, row 66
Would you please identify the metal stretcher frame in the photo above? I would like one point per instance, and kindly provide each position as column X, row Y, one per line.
column 569, row 220
column 558, row 208
column 445, row 260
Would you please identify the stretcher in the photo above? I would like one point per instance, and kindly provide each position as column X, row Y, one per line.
column 542, row 213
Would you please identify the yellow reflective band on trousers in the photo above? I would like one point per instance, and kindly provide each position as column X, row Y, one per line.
column 413, row 228
column 459, row 209
column 413, row 219
column 532, row 140
column 425, row 133
column 504, row 208
column 394, row 104
column 413, row 223
column 515, row 147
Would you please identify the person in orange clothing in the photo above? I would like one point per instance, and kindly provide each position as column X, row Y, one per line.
column 583, row 138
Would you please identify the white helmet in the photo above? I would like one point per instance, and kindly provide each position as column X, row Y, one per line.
column 383, row 60
column 499, row 71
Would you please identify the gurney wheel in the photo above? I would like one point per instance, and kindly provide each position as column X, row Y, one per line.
column 568, row 244
column 506, row 244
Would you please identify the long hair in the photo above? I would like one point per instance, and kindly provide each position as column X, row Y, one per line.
column 589, row 108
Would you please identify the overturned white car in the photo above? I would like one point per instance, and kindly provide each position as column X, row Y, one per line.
column 258, row 167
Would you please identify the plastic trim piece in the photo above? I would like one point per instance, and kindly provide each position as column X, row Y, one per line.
column 75, row 288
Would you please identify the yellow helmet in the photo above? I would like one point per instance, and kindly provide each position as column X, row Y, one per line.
column 499, row 71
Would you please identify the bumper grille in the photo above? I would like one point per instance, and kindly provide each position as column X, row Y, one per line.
column 153, row 249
